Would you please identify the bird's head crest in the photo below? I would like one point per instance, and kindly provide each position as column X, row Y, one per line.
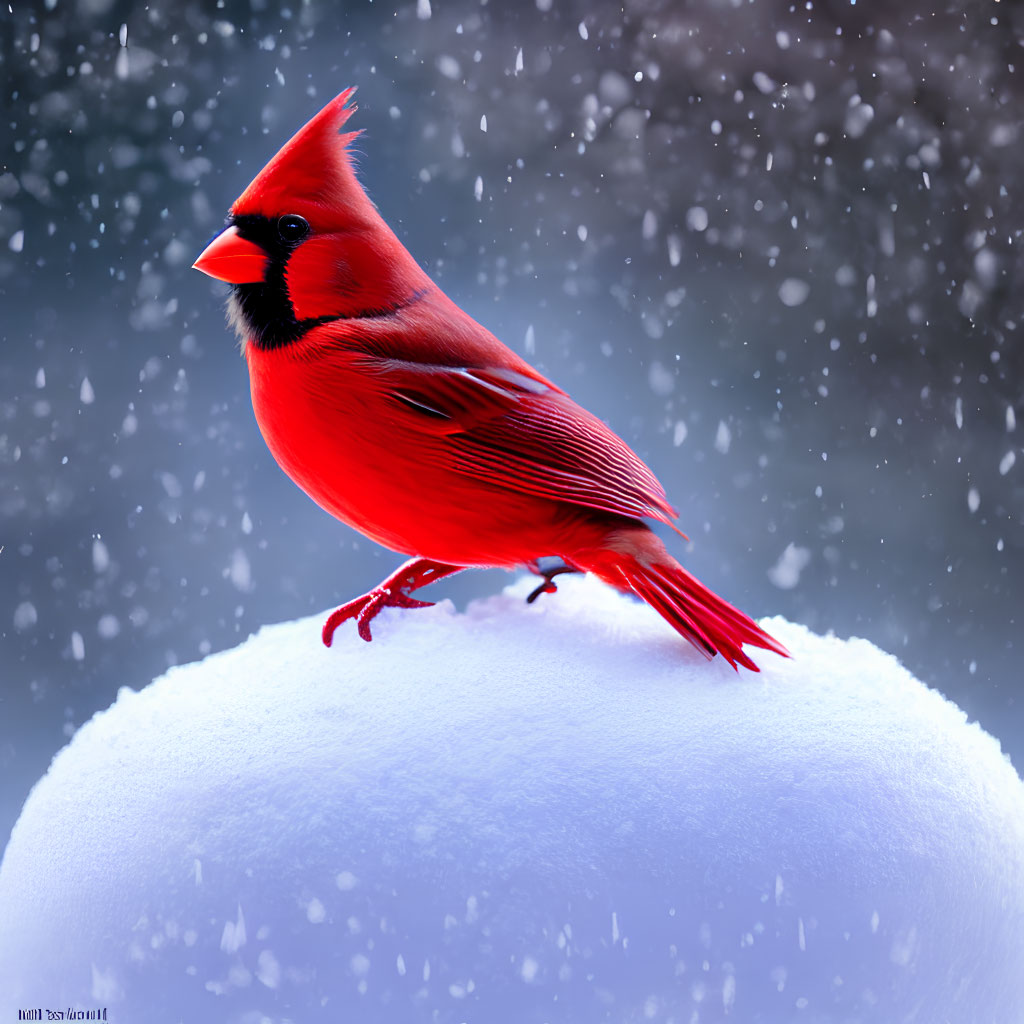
column 314, row 166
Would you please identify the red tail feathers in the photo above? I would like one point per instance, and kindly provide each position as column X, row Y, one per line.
column 635, row 561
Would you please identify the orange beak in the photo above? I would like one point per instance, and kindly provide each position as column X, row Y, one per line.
column 232, row 258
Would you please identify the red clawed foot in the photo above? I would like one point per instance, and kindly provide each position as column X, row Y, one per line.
column 547, row 587
column 391, row 593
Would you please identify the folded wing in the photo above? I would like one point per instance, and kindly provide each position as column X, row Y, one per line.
column 517, row 433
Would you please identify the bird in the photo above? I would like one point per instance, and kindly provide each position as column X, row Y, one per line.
column 400, row 415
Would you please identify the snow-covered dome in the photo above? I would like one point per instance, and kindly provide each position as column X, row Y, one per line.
column 557, row 812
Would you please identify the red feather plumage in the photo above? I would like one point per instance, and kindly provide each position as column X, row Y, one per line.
column 402, row 416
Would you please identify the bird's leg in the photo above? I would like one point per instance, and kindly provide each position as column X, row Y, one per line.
column 547, row 587
column 391, row 593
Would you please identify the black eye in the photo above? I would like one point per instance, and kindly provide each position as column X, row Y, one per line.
column 292, row 228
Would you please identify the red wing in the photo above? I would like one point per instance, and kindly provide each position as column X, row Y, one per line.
column 516, row 433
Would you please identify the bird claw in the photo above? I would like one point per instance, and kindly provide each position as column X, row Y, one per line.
column 547, row 587
column 400, row 600
column 366, row 608
column 392, row 593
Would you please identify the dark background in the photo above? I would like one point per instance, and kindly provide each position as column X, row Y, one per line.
column 777, row 248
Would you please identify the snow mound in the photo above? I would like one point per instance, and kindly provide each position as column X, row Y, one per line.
column 557, row 812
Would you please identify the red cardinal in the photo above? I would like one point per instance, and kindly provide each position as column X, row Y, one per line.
column 400, row 415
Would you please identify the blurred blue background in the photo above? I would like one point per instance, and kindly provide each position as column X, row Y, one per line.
column 776, row 247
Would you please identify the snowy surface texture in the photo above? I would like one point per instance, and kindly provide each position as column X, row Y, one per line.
column 775, row 245
column 547, row 813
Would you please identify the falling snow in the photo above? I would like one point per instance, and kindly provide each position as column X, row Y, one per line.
column 723, row 438
column 858, row 116
column 697, row 218
column 530, row 340
column 25, row 616
column 785, row 573
column 793, row 291
column 741, row 247
column 100, row 556
column 449, row 67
